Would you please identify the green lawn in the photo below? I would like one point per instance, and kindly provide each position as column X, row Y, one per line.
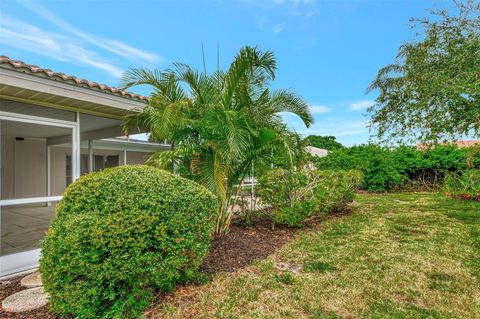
column 395, row 256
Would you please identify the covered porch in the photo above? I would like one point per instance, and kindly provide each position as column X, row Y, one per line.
column 54, row 128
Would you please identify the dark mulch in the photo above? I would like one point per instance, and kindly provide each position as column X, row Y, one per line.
column 244, row 244
column 239, row 248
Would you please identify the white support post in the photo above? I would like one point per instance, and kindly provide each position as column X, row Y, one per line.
column 90, row 156
column 124, row 157
column 49, row 173
column 76, row 149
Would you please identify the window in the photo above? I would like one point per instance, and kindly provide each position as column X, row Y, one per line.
column 69, row 170
column 105, row 161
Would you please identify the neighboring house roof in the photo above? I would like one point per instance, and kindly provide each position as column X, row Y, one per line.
column 315, row 151
column 459, row 144
column 468, row 143
column 55, row 76
column 125, row 139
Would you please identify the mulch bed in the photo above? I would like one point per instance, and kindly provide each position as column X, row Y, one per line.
column 239, row 248
column 245, row 244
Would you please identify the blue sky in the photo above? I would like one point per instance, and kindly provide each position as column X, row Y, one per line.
column 327, row 51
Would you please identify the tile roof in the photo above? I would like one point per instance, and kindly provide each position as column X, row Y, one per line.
column 70, row 79
column 315, row 151
column 459, row 144
column 468, row 143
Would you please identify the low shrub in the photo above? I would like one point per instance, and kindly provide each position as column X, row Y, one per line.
column 295, row 196
column 119, row 236
column 465, row 185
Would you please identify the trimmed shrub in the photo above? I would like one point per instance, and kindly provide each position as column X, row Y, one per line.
column 121, row 235
column 465, row 185
column 295, row 196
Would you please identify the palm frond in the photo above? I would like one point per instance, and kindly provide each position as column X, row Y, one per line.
column 286, row 101
column 140, row 76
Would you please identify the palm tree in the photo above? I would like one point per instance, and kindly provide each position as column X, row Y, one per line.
column 219, row 123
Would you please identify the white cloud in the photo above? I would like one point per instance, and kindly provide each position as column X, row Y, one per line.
column 317, row 109
column 283, row 15
column 116, row 47
column 278, row 28
column 302, row 8
column 361, row 105
column 23, row 36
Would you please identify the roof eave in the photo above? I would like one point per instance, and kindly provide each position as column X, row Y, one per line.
column 19, row 85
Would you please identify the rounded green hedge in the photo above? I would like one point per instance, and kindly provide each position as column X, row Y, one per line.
column 122, row 234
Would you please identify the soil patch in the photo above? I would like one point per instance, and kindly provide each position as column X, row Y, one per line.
column 245, row 244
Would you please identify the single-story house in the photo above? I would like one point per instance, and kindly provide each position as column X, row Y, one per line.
column 315, row 151
column 54, row 128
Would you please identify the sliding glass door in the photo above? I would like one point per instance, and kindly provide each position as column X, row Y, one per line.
column 34, row 174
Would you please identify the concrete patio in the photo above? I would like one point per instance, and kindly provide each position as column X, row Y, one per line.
column 23, row 227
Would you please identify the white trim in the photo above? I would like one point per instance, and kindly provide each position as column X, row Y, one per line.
column 20, row 273
column 116, row 145
column 30, row 200
column 134, row 146
column 8, row 116
column 135, row 142
column 19, row 262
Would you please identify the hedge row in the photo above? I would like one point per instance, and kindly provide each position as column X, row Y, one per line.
column 399, row 168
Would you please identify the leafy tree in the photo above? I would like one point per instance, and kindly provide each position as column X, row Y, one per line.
column 219, row 124
column 325, row 142
column 432, row 92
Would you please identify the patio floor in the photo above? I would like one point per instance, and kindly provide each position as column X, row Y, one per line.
column 22, row 227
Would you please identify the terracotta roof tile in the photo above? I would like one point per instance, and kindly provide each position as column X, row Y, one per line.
column 70, row 78
column 459, row 144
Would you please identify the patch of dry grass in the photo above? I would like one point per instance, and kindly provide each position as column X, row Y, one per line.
column 397, row 256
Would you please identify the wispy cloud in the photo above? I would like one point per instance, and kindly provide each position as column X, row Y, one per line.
column 302, row 8
column 116, row 47
column 284, row 15
column 361, row 105
column 278, row 28
column 68, row 43
column 318, row 109
column 24, row 36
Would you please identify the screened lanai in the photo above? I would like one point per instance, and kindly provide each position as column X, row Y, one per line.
column 53, row 129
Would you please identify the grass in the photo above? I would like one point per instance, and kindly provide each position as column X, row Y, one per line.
column 397, row 256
